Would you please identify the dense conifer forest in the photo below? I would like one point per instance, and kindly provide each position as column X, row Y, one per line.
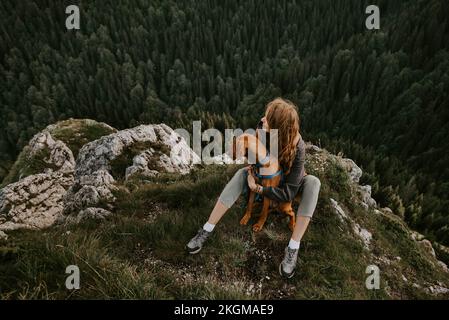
column 379, row 96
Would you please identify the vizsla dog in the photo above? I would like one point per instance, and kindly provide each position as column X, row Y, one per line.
column 271, row 177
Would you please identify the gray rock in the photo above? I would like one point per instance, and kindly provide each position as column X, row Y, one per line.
column 81, row 188
column 3, row 236
column 97, row 155
column 427, row 246
column 415, row 235
column 311, row 148
column 90, row 213
column 364, row 235
column 342, row 216
column 437, row 290
column 443, row 266
column 34, row 202
column 365, row 192
column 94, row 183
column 60, row 157
column 355, row 173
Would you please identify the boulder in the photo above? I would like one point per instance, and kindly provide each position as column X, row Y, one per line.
column 355, row 173
column 342, row 216
column 3, row 236
column 60, row 158
column 363, row 234
column 36, row 201
column 367, row 200
column 98, row 154
column 157, row 149
column 427, row 246
column 437, row 289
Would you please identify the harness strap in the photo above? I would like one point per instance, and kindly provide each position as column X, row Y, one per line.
column 269, row 176
column 264, row 161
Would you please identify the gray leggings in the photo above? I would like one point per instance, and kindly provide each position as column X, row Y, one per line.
column 309, row 189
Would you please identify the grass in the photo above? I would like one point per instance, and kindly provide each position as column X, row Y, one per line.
column 27, row 165
column 75, row 133
column 125, row 159
column 139, row 253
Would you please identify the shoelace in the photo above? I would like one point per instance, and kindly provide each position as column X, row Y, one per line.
column 201, row 235
column 290, row 255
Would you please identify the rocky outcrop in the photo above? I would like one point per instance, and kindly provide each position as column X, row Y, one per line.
column 157, row 149
column 97, row 155
column 355, row 173
column 365, row 195
column 363, row 234
column 3, row 236
column 33, row 202
column 89, row 191
column 427, row 246
column 342, row 216
column 69, row 191
column 36, row 201
column 60, row 156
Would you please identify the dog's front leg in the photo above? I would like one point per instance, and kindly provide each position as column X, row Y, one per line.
column 263, row 216
column 249, row 209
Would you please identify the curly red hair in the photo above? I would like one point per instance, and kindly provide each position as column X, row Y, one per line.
column 282, row 114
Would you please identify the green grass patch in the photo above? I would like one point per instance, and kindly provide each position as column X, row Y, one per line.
column 139, row 252
column 125, row 159
column 75, row 133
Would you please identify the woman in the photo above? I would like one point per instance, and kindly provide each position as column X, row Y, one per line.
column 282, row 115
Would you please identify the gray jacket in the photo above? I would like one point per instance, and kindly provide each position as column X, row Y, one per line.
column 291, row 183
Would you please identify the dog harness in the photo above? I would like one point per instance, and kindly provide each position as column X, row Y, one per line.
column 262, row 163
column 268, row 176
column 258, row 165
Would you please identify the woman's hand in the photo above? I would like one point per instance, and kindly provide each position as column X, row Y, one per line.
column 251, row 181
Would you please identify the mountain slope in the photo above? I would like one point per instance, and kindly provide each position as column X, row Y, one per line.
column 138, row 250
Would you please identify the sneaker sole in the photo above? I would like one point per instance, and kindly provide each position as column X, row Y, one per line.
column 195, row 252
column 283, row 274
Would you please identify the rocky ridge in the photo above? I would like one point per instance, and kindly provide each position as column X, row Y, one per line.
column 68, row 191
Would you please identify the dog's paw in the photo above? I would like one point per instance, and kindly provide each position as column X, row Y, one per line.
column 257, row 227
column 244, row 220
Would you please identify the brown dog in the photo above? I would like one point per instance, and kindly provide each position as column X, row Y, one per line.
column 251, row 143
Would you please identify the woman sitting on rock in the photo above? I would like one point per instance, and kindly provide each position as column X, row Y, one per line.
column 282, row 115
